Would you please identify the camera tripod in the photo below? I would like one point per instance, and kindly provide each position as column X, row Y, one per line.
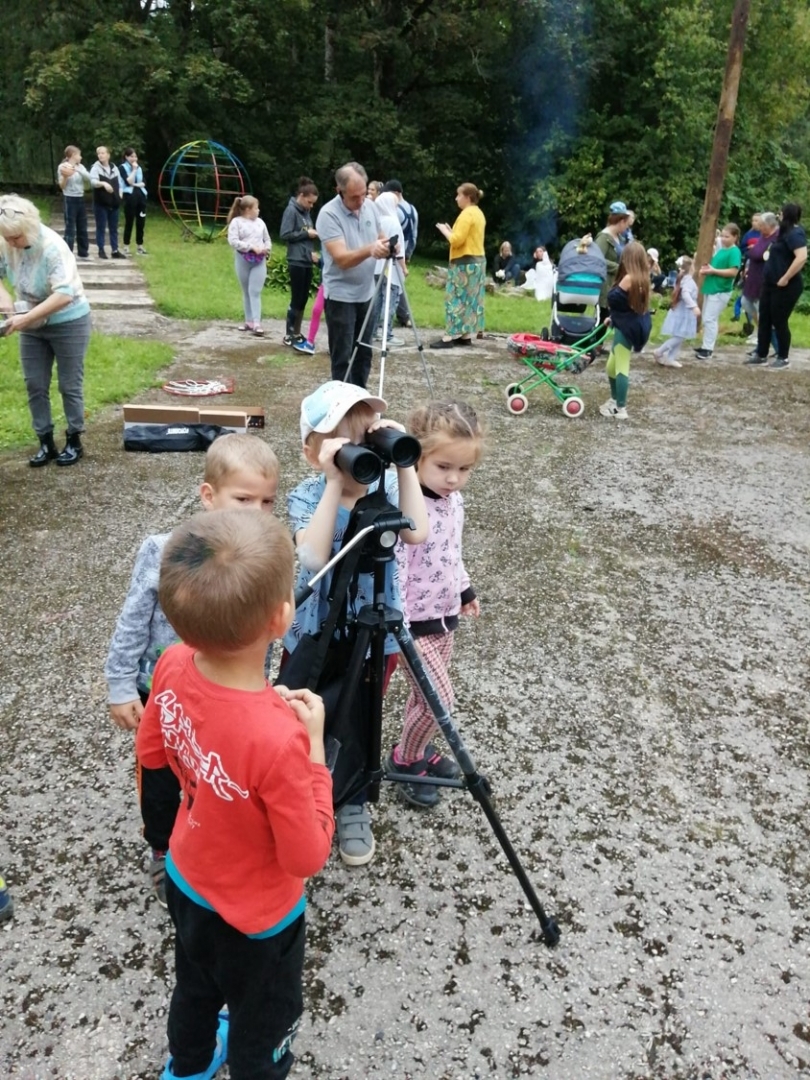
column 383, row 284
column 354, row 707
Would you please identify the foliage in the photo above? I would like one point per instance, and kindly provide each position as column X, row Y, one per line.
column 554, row 107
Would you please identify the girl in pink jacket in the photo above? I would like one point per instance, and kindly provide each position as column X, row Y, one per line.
column 435, row 586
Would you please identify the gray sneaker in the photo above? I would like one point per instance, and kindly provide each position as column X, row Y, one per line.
column 755, row 360
column 355, row 838
column 781, row 363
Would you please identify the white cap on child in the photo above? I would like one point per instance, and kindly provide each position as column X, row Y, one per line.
column 325, row 407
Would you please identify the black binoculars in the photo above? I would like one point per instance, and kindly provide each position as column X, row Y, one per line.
column 382, row 448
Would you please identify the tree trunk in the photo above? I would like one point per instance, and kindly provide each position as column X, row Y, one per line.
column 722, row 132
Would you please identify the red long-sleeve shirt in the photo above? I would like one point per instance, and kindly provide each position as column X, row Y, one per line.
column 256, row 816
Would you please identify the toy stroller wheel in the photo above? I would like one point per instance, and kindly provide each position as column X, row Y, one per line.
column 573, row 406
column 512, row 389
column 544, row 334
column 517, row 404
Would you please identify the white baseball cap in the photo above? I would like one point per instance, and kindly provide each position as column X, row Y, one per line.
column 325, row 407
column 653, row 253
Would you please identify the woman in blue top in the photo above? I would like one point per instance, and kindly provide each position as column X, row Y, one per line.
column 52, row 317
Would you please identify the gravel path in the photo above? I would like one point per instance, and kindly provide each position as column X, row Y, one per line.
column 636, row 689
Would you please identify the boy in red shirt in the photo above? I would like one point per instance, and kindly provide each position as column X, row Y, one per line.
column 256, row 816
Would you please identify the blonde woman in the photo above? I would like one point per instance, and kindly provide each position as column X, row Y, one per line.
column 52, row 316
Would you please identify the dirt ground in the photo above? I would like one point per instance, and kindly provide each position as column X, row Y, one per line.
column 636, row 690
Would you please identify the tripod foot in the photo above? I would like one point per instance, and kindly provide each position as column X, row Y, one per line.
column 551, row 932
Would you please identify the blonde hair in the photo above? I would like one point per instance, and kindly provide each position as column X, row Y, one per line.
column 635, row 265
column 240, row 204
column 70, row 151
column 353, row 424
column 239, row 453
column 19, row 217
column 443, row 421
column 223, row 574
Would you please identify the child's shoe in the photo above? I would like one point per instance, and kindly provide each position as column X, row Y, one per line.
column 439, row 765
column 703, row 354
column 425, row 796
column 6, row 902
column 609, row 408
column 355, row 839
column 288, row 339
column 157, row 872
column 142, row 250
column 304, row 346
column 217, row 1061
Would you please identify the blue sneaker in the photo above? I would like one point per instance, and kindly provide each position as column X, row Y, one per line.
column 304, row 347
column 6, row 903
column 217, row 1061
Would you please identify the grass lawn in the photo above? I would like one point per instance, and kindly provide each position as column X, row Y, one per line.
column 115, row 370
column 195, row 280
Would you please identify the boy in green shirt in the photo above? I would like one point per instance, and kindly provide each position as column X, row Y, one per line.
column 718, row 281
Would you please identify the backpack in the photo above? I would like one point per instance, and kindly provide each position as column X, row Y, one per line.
column 407, row 219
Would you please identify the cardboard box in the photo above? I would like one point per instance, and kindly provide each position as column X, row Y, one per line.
column 238, row 418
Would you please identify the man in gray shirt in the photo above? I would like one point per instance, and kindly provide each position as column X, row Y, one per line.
column 351, row 241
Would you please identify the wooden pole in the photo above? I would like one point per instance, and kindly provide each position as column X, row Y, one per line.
column 722, row 132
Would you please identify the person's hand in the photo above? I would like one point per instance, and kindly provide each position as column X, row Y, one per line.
column 385, row 423
column 312, row 234
column 128, row 715
column 782, row 282
column 316, row 258
column 706, row 269
column 67, row 169
column 379, row 249
column 308, row 707
column 326, row 457
column 107, row 187
column 14, row 323
column 501, row 274
column 259, row 250
column 473, row 608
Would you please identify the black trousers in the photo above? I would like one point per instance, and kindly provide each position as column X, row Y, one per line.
column 259, row 980
column 159, row 794
column 775, row 307
column 134, row 214
column 300, row 281
column 344, row 321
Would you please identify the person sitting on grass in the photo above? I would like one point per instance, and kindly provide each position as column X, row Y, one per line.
column 506, row 265
column 256, row 816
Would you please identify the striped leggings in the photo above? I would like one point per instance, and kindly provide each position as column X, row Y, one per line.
column 419, row 725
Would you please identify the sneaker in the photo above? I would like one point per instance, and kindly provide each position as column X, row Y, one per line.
column 84, row 258
column 609, row 408
column 355, row 838
column 288, row 339
column 752, row 340
column 125, row 250
column 425, row 796
column 395, row 342
column 142, row 251
column 6, row 903
column 703, row 354
column 217, row 1061
column 668, row 361
column 304, row 347
column 157, row 872
column 102, row 254
column 780, row 363
column 118, row 255
column 755, row 360
column 439, row 765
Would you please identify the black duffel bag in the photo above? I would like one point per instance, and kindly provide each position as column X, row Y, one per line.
column 169, row 438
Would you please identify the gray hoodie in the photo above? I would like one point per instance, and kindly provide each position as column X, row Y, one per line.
column 295, row 222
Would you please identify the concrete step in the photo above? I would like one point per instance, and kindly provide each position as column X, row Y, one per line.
column 121, row 276
column 119, row 298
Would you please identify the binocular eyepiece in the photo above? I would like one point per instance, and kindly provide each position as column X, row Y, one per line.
column 382, row 448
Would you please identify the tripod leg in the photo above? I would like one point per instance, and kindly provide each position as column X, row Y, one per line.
column 420, row 347
column 475, row 782
column 366, row 328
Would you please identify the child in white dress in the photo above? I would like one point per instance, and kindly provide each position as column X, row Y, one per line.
column 682, row 318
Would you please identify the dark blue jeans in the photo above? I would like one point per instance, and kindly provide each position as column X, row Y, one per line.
column 106, row 219
column 76, row 224
column 344, row 321
column 259, row 979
